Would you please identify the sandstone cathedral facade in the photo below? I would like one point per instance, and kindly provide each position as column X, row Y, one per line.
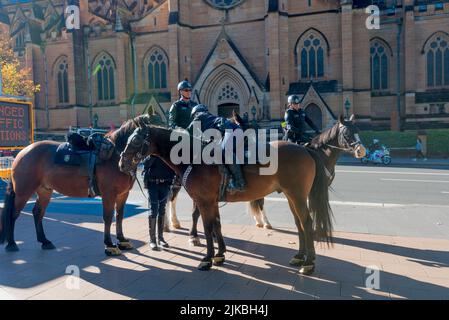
column 247, row 55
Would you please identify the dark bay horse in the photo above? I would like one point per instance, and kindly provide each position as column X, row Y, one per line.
column 34, row 171
column 300, row 176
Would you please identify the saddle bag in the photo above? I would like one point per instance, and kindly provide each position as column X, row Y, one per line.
column 102, row 145
column 65, row 155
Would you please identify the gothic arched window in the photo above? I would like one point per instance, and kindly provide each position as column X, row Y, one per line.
column 437, row 61
column 379, row 66
column 157, row 70
column 63, row 81
column 105, row 71
column 312, row 48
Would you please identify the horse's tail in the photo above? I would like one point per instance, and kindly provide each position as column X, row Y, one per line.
column 6, row 215
column 319, row 205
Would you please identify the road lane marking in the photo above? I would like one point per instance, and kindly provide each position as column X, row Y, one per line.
column 411, row 180
column 394, row 172
column 367, row 204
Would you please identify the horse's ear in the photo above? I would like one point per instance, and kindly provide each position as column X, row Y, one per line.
column 137, row 124
column 237, row 117
column 352, row 118
column 341, row 119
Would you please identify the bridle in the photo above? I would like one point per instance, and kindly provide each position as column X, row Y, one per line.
column 350, row 147
column 140, row 154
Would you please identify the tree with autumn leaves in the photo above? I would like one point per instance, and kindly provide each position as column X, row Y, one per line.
column 16, row 80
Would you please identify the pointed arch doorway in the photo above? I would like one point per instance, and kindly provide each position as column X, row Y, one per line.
column 315, row 114
column 225, row 109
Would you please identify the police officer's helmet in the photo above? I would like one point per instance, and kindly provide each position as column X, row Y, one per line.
column 293, row 99
column 184, row 85
column 198, row 108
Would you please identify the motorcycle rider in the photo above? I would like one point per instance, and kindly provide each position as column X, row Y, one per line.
column 179, row 114
column 296, row 118
column 208, row 120
column 373, row 147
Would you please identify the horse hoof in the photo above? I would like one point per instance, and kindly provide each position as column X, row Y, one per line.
column 166, row 228
column 112, row 251
column 48, row 246
column 205, row 265
column 176, row 225
column 259, row 225
column 307, row 269
column 194, row 242
column 218, row 260
column 298, row 260
column 267, row 226
column 125, row 245
column 12, row 247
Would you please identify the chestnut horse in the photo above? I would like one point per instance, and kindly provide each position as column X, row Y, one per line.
column 34, row 171
column 300, row 176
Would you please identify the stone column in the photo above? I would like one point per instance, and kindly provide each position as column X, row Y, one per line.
column 173, row 47
column 410, row 59
column 272, row 51
column 347, row 54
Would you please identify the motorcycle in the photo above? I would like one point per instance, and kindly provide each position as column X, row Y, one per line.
column 381, row 156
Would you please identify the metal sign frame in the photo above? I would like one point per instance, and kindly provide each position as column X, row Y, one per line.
column 31, row 119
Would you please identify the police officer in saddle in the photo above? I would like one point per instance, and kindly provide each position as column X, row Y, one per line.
column 158, row 179
column 296, row 119
column 229, row 131
column 179, row 114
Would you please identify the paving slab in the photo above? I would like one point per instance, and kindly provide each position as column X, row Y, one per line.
column 256, row 265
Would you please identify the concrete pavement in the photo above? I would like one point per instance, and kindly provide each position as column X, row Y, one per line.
column 256, row 267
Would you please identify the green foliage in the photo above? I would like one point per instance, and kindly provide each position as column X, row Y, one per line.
column 437, row 139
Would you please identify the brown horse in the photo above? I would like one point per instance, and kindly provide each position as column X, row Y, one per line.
column 329, row 145
column 34, row 171
column 300, row 176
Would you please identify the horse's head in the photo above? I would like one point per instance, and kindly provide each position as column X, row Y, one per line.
column 348, row 137
column 137, row 148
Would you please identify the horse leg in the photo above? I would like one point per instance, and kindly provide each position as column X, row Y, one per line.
column 194, row 240
column 120, row 202
column 108, row 211
column 167, row 217
column 299, row 259
column 303, row 215
column 44, row 196
column 266, row 223
column 253, row 209
column 219, row 258
column 207, row 211
column 18, row 202
column 173, row 217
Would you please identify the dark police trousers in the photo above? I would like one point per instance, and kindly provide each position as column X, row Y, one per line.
column 158, row 196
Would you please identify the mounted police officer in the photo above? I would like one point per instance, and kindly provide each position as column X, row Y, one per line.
column 201, row 114
column 179, row 114
column 158, row 179
column 296, row 119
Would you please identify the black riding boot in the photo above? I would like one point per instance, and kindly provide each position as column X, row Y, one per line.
column 238, row 181
column 152, row 225
column 160, row 231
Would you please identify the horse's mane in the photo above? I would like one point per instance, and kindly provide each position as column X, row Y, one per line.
column 120, row 136
column 324, row 138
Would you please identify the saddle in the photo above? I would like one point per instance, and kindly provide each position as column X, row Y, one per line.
column 85, row 153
